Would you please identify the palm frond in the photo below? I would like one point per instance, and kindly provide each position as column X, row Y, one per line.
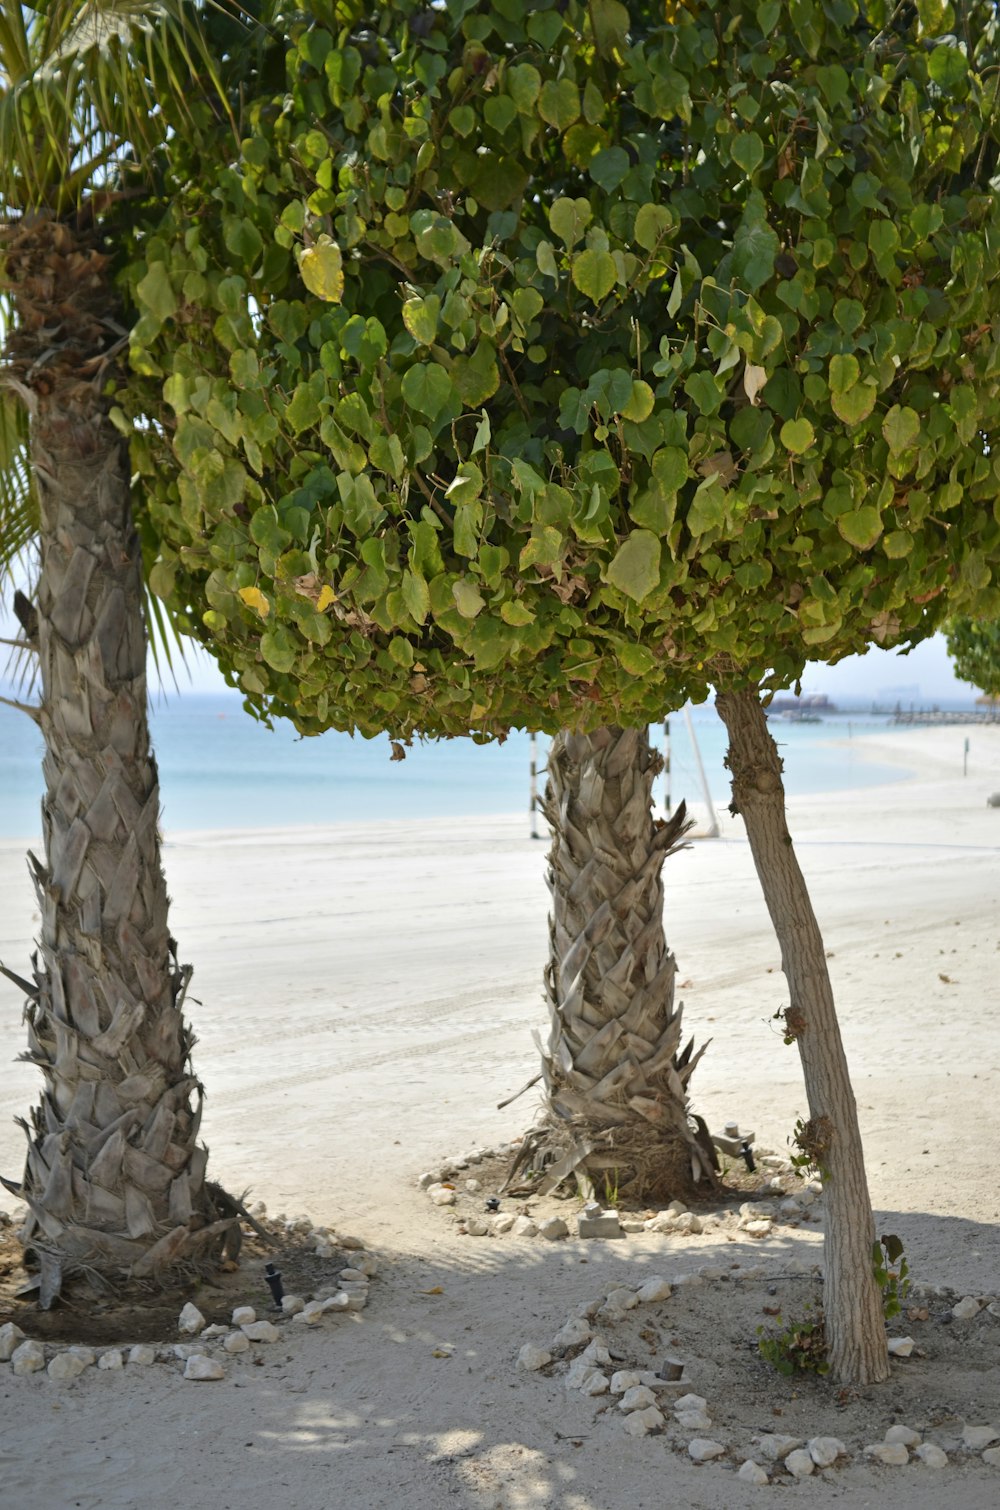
column 18, row 499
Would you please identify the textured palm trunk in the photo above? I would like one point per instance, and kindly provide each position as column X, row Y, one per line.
column 855, row 1327
column 115, row 1179
column 616, row 1079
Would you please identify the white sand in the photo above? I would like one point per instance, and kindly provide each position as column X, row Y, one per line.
column 366, row 996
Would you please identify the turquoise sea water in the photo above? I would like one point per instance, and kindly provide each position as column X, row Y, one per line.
column 220, row 769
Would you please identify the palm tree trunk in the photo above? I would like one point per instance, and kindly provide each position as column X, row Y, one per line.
column 615, row 1077
column 115, row 1179
column 855, row 1327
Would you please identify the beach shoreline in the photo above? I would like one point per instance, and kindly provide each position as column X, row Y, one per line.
column 364, row 995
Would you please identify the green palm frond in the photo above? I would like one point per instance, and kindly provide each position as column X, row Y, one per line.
column 18, row 500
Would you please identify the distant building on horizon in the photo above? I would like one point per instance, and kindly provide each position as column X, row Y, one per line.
column 806, row 702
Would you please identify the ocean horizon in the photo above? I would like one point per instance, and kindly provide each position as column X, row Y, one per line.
column 219, row 768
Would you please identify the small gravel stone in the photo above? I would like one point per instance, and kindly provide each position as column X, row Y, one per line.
column 966, row 1308
column 900, row 1347
column 112, row 1359
column 752, row 1473
column 244, row 1316
column 261, row 1331
column 64, row 1367
column 703, row 1449
column 825, row 1451
column 28, row 1358
column 10, row 1337
column 531, row 1357
column 523, row 1226
column 800, row 1463
column 190, row 1322
column 637, row 1398
column 904, row 1434
column 992, row 1457
column 623, row 1379
column 978, row 1437
column 142, row 1355
column 200, row 1367
column 237, row 1342
column 931, row 1455
column 654, row 1289
column 554, row 1228
column 639, row 1423
column 894, row 1454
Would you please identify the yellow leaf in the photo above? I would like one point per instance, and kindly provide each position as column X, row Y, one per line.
column 322, row 269
column 437, row 1290
column 439, row 1352
column 326, row 597
column 254, row 598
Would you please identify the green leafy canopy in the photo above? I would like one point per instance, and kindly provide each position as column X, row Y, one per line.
column 540, row 365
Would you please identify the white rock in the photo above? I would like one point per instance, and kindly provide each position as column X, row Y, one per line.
column 978, row 1437
column 350, row 1244
column 367, row 1263
column 504, row 1222
column 752, row 1473
column 142, row 1355
column 441, row 1195
column 800, row 1463
column 639, row 1423
column 338, row 1302
column 237, row 1342
column 10, row 1337
column 703, row 1449
column 200, row 1367
column 696, row 1402
column 597, row 1384
column 310, row 1315
column 693, row 1420
column 531, row 1357
column 352, row 1276
column 900, row 1347
column 622, row 1299
column 325, row 1250
column 185, row 1350
column 825, row 1451
column 27, row 1358
column 790, row 1209
column 425, row 1181
column 931, row 1455
column 754, row 1211
column 904, row 1434
column 992, row 1457
column 663, row 1222
column 472, row 1186
column 892, row 1453
column 190, row 1322
column 244, row 1316
column 579, row 1374
column 215, row 1330
column 654, row 1289
column 261, row 1331
column 776, row 1447
column 966, row 1308
column 554, row 1228
column 758, row 1229
column 631, row 1224
column 680, row 1280
column 291, row 1305
column 623, row 1379
column 476, row 1227
column 523, row 1226
column 597, row 1353
column 637, row 1398
column 64, row 1367
column 572, row 1334
column 112, row 1359
column 355, row 1302
column 86, row 1355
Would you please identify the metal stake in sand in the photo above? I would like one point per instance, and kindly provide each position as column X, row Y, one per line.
column 277, row 1289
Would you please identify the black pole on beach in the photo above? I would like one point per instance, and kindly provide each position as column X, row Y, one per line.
column 533, row 804
column 666, row 768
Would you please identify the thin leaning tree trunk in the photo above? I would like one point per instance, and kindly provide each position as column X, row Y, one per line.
column 855, row 1326
column 616, row 1078
column 115, row 1179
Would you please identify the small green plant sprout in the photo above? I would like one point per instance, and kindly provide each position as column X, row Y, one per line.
column 800, row 1348
column 891, row 1273
column 611, row 1189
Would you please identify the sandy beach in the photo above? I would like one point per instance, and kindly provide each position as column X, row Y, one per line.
column 366, row 996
